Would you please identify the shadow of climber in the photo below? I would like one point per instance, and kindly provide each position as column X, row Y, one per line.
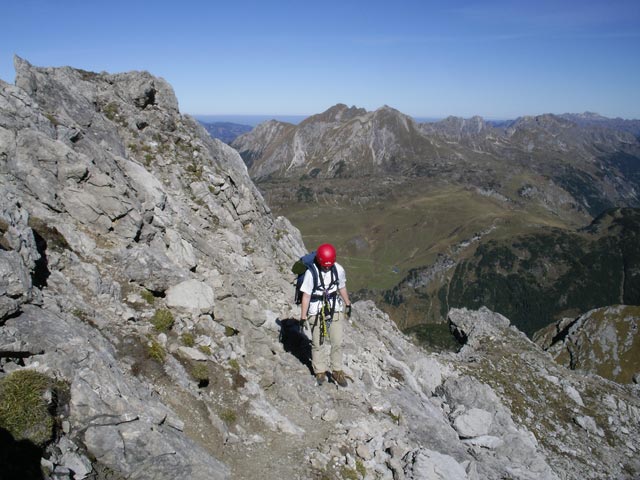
column 295, row 341
column 19, row 460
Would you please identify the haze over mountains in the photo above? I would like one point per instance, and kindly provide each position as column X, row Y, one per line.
column 225, row 131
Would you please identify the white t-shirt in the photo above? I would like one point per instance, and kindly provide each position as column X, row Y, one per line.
column 307, row 287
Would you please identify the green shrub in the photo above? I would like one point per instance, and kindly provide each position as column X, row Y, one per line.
column 229, row 416
column 162, row 320
column 155, row 351
column 230, row 331
column 23, row 410
column 200, row 372
column 147, row 296
column 188, row 339
column 111, row 111
column 205, row 349
column 349, row 474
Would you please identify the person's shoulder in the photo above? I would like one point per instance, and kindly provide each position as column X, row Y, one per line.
column 339, row 267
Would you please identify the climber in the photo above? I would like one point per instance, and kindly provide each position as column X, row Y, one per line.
column 325, row 304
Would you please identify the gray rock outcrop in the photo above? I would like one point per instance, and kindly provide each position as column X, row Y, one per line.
column 604, row 341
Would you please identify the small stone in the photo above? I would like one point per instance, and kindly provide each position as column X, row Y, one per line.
column 588, row 424
column 363, row 452
column 79, row 464
column 330, row 415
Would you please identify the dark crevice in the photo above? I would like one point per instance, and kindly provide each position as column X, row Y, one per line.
column 561, row 335
column 15, row 314
column 17, row 355
column 136, row 239
column 157, row 293
column 459, row 335
column 41, row 271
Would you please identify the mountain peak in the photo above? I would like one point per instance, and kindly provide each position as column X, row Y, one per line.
column 337, row 113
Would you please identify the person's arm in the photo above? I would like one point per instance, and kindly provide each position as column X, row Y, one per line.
column 304, row 306
column 345, row 296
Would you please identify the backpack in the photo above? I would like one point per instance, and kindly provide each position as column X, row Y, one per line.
column 307, row 262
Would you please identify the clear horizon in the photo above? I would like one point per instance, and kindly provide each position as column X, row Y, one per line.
column 499, row 59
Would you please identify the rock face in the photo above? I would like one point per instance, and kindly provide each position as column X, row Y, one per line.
column 143, row 271
column 109, row 195
column 603, row 341
column 550, row 407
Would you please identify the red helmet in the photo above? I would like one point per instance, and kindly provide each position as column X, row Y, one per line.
column 326, row 255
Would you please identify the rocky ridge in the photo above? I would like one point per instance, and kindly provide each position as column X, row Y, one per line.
column 144, row 273
column 604, row 341
column 569, row 164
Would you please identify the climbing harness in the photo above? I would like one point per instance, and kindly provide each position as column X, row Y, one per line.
column 328, row 307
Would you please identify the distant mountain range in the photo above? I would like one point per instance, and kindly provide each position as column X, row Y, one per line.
column 548, row 159
column 225, row 131
column 228, row 127
column 590, row 118
column 400, row 197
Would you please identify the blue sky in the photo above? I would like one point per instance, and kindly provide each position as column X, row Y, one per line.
column 498, row 59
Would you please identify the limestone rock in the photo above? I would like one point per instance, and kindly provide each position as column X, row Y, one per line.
column 192, row 296
column 426, row 464
column 473, row 423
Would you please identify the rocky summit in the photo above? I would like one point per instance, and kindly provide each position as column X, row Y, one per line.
column 147, row 332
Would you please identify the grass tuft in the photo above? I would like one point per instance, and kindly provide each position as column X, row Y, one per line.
column 162, row 320
column 24, row 412
column 229, row 416
column 188, row 339
column 148, row 296
column 156, row 351
column 205, row 349
column 200, row 372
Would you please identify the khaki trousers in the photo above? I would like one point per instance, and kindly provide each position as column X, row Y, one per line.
column 328, row 356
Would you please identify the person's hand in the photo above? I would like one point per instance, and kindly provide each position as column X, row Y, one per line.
column 347, row 310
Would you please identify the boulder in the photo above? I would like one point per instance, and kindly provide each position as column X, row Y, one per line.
column 424, row 464
column 191, row 296
column 473, row 423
